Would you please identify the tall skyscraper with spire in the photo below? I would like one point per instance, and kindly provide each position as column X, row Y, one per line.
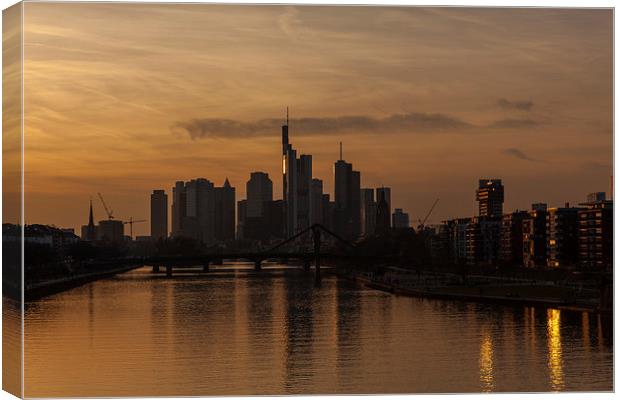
column 296, row 185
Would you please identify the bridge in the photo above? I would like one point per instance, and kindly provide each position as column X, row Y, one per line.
column 308, row 257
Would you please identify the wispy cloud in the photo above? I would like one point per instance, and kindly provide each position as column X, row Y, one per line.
column 512, row 123
column 396, row 123
column 523, row 105
column 514, row 152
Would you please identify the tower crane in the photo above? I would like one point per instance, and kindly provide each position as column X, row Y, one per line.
column 421, row 226
column 107, row 210
column 131, row 222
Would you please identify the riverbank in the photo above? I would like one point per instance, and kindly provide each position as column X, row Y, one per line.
column 37, row 290
column 481, row 289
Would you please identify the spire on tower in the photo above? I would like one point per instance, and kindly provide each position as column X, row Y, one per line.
column 91, row 221
column 286, row 115
column 341, row 150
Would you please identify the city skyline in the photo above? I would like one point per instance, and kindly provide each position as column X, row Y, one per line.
column 426, row 123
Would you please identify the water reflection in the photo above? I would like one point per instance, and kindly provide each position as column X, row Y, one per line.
column 486, row 362
column 554, row 343
column 245, row 333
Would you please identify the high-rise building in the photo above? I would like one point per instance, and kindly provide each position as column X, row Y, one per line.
column 368, row 211
column 242, row 206
column 178, row 208
column 259, row 191
column 203, row 212
column 224, row 212
column 159, row 215
column 296, row 185
column 111, row 230
column 89, row 232
column 347, row 212
column 596, row 235
column 562, row 236
column 535, row 237
column 511, row 245
column 387, row 194
column 490, row 196
column 400, row 219
column 382, row 222
column 482, row 236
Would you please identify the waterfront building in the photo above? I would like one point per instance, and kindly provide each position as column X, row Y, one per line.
column 596, row 235
column 347, row 213
column 562, row 236
column 535, row 237
column 400, row 219
column 159, row 215
column 457, row 239
column 328, row 211
column 511, row 244
column 242, row 206
column 89, row 232
column 368, row 212
column 490, row 197
column 482, row 240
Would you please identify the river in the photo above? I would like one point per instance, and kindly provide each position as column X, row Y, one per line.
column 234, row 331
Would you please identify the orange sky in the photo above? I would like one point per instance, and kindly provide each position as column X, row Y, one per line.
column 125, row 98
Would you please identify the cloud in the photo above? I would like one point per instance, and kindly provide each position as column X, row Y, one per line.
column 396, row 123
column 514, row 152
column 523, row 105
column 512, row 123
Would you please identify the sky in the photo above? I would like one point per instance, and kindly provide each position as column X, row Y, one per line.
column 126, row 98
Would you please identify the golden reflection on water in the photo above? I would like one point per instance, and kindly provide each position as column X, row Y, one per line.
column 486, row 363
column 554, row 343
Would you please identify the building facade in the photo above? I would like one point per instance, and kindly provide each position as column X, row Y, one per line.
column 490, row 197
column 159, row 215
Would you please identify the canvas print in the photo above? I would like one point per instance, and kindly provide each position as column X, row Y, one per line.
column 227, row 199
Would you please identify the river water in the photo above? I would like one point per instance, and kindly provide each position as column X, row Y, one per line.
column 238, row 332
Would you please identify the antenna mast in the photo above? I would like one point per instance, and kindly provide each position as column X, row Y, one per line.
column 341, row 150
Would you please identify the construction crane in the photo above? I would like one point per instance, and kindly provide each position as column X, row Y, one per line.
column 421, row 226
column 107, row 210
column 131, row 222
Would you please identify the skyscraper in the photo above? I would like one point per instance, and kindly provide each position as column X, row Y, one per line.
column 369, row 212
column 178, row 208
column 259, row 190
column 159, row 215
column 387, row 194
column 316, row 202
column 296, row 185
column 490, row 196
column 347, row 212
column 382, row 224
column 225, row 212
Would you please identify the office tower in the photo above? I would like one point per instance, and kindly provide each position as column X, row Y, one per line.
column 259, row 191
column 382, row 224
column 400, row 219
column 242, row 206
column 275, row 218
column 89, row 232
column 159, row 215
column 511, row 246
column 535, row 237
column 490, row 196
column 387, row 193
column 224, row 212
column 347, row 213
column 596, row 239
column 316, row 202
column 296, row 185
column 178, row 208
column 368, row 212
column 562, row 236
